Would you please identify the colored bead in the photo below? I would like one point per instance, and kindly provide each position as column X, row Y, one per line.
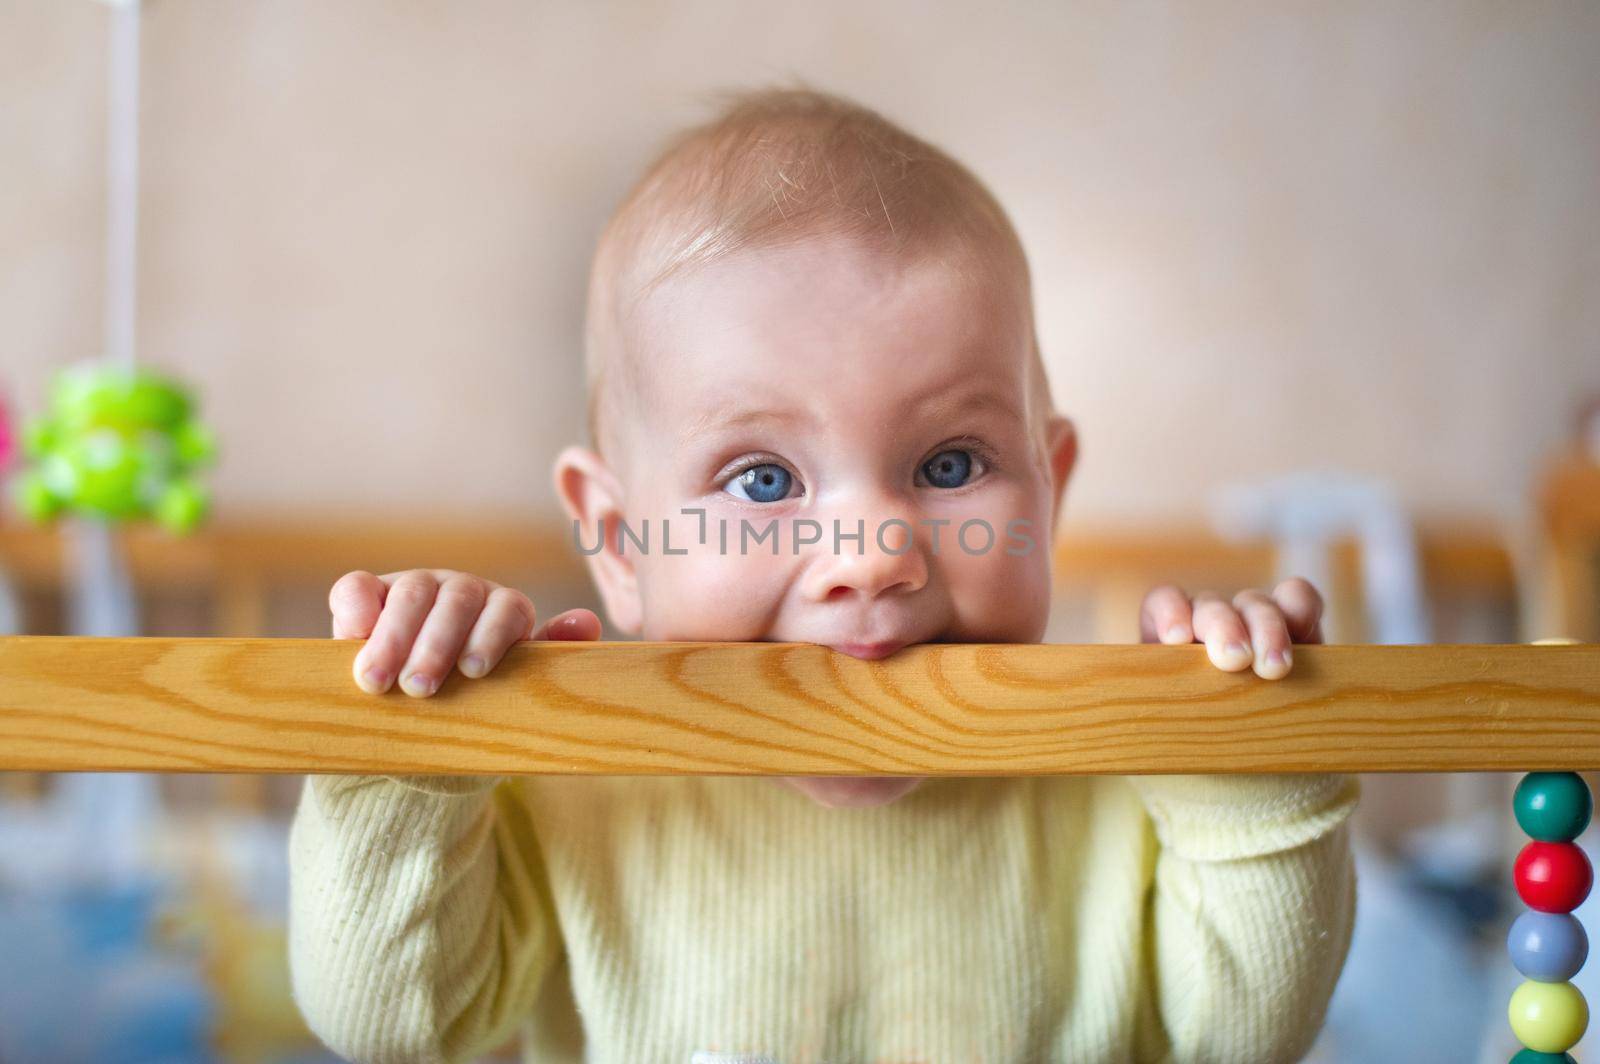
column 1553, row 877
column 118, row 444
column 1549, row 1017
column 1533, row 1056
column 1553, row 806
column 1549, row 947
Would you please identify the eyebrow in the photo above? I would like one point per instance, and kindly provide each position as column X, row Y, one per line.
column 938, row 403
column 715, row 420
column 943, row 403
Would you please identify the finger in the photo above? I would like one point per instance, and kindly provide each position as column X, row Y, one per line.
column 1166, row 616
column 460, row 600
column 410, row 597
column 439, row 575
column 1302, row 609
column 355, row 601
column 578, row 624
column 1269, row 633
column 1219, row 626
column 507, row 617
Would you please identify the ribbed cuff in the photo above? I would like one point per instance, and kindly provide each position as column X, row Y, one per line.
column 352, row 808
column 1218, row 818
column 454, row 785
column 338, row 790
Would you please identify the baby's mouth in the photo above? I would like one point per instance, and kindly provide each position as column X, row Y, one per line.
column 871, row 651
column 876, row 649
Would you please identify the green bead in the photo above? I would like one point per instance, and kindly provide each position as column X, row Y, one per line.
column 151, row 401
column 99, row 396
column 182, row 506
column 35, row 499
column 194, row 443
column 119, row 444
column 38, row 438
column 1533, row 1056
column 106, row 471
column 1553, row 806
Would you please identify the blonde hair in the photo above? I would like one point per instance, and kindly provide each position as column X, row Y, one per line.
column 777, row 166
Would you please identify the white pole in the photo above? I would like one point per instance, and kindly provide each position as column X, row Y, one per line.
column 122, row 183
column 110, row 815
column 10, row 607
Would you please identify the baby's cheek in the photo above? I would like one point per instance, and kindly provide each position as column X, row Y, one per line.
column 999, row 597
column 704, row 595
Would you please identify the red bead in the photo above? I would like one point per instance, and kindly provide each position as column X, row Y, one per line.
column 1553, row 877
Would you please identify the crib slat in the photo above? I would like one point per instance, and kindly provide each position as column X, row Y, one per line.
column 290, row 705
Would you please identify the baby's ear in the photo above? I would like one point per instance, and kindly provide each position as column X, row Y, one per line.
column 1061, row 447
column 593, row 498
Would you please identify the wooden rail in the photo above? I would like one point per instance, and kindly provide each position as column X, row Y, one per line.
column 290, row 705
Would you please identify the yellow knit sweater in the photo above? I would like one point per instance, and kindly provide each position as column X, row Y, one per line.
column 703, row 921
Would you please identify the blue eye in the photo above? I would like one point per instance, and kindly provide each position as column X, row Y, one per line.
column 763, row 483
column 948, row 469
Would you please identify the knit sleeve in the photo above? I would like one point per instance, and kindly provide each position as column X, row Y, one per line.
column 420, row 918
column 1251, row 913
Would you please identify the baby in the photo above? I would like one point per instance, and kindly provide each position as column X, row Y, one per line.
column 814, row 379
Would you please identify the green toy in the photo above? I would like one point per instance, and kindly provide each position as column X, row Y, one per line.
column 119, row 444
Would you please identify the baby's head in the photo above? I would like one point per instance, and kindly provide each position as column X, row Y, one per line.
column 803, row 320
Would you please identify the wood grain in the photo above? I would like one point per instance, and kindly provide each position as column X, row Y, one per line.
column 290, row 705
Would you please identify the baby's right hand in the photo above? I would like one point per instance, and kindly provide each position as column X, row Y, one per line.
column 420, row 623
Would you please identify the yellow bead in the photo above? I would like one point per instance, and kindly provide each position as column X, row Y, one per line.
column 1548, row 1017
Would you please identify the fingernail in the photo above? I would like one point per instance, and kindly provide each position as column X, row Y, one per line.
column 1176, row 634
column 1228, row 656
column 418, row 685
column 1267, row 665
column 374, row 681
column 472, row 666
column 1281, row 657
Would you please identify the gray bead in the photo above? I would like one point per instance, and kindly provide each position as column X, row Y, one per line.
column 1549, row 947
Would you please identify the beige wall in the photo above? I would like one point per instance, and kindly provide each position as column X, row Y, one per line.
column 1266, row 236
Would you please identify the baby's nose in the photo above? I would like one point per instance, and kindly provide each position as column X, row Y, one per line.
column 886, row 558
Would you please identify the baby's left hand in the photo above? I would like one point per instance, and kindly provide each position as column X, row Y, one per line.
column 1255, row 628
